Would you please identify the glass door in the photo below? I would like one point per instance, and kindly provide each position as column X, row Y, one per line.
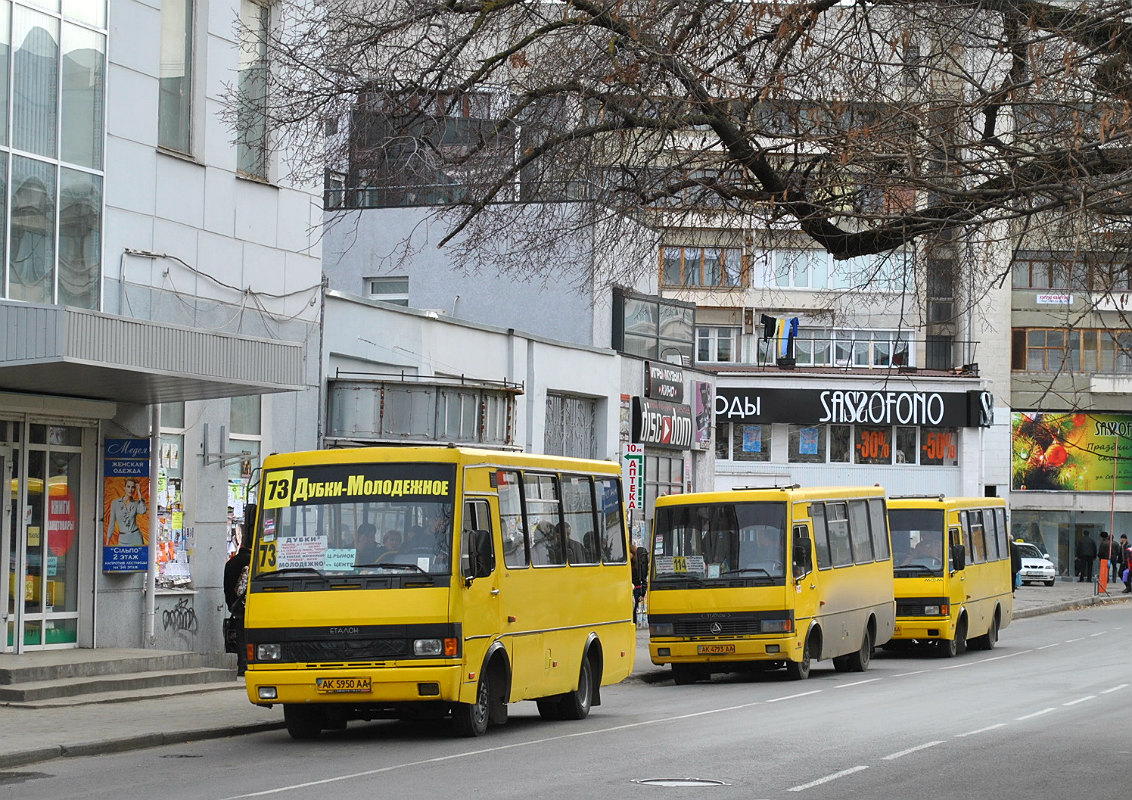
column 8, row 550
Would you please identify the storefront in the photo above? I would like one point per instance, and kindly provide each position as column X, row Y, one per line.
column 911, row 437
column 78, row 520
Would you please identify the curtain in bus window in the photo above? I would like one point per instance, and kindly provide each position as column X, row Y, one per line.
column 821, row 538
column 878, row 525
column 511, row 518
column 859, row 532
column 837, row 524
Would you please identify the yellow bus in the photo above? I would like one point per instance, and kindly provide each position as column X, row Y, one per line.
column 510, row 582
column 766, row 578
column 951, row 559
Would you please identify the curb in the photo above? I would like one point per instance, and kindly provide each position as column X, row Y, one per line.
column 129, row 743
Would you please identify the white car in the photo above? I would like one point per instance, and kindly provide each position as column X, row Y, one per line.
column 1036, row 565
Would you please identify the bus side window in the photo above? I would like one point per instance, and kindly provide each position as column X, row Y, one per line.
column 958, row 551
column 821, row 539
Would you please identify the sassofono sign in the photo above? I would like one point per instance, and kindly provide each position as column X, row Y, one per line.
column 853, row 406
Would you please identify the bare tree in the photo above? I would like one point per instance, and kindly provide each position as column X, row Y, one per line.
column 865, row 125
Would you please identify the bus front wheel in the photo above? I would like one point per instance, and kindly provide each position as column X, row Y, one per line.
column 303, row 722
column 800, row 670
column 471, row 719
column 949, row 648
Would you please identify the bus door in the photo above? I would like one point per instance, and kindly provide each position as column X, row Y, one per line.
column 957, row 561
column 807, row 590
column 481, row 620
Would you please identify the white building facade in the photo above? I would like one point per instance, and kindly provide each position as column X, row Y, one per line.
column 159, row 313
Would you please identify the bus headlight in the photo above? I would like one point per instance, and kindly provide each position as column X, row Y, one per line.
column 268, row 652
column 428, row 647
column 936, row 611
column 661, row 629
column 777, row 625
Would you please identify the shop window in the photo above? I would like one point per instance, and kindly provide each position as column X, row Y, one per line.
column 174, row 564
column 751, row 442
column 807, row 444
column 939, row 447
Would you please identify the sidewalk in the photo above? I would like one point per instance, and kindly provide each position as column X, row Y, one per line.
column 30, row 734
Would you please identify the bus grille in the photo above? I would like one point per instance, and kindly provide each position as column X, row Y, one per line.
column 726, row 627
column 917, row 607
column 351, row 650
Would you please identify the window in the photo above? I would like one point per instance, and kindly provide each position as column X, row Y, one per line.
column 251, row 112
column 540, row 493
column 701, row 266
column 752, row 442
column 175, row 79
column 612, row 526
column 52, row 84
column 717, row 344
column 578, row 511
column 859, row 531
column 174, row 565
column 571, row 426
column 837, row 525
column 801, row 269
column 511, row 518
column 664, row 475
column 878, row 524
column 807, row 444
column 652, row 328
column 938, row 349
column 244, row 436
column 821, row 536
column 1071, row 350
column 393, row 290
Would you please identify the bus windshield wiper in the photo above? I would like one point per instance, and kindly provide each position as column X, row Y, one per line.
column 288, row 570
column 391, row 565
column 918, row 569
column 747, row 569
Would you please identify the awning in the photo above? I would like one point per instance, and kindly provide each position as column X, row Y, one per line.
column 72, row 352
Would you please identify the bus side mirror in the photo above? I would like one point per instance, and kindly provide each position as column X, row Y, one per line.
column 803, row 553
column 958, row 557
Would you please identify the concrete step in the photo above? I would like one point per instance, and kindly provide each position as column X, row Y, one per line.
column 123, row 683
column 61, row 665
column 235, row 685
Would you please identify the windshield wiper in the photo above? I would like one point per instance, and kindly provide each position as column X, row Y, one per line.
column 286, row 570
column 917, row 568
column 748, row 569
column 391, row 565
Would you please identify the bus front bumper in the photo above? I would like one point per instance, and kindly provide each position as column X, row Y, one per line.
column 268, row 684
column 923, row 628
column 692, row 651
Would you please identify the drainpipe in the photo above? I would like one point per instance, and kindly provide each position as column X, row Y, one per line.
column 149, row 638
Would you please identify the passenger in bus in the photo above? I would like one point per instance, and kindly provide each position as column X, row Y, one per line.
column 390, row 545
column 930, row 546
column 366, row 547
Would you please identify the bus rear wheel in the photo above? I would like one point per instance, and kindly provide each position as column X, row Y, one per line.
column 989, row 639
column 859, row 661
column 471, row 719
column 576, row 704
column 303, row 722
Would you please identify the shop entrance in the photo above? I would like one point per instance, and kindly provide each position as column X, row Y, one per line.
column 42, row 471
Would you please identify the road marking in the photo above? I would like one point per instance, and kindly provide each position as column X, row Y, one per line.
column 925, row 746
column 1047, row 646
column 906, row 674
column 1080, row 700
column 1115, row 688
column 855, row 683
column 792, row 696
column 1035, row 714
column 980, row 730
column 1005, row 655
column 1078, row 639
column 1094, row 635
column 827, row 779
column 960, row 665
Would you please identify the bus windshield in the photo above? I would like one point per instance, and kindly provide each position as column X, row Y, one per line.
column 917, row 541
column 720, row 542
column 357, row 519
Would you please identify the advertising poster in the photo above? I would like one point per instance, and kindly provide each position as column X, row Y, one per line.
column 1075, row 452
column 705, row 414
column 126, row 499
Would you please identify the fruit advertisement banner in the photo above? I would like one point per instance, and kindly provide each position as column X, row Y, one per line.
column 1075, row 452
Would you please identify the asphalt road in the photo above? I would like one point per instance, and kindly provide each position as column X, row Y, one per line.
column 1033, row 718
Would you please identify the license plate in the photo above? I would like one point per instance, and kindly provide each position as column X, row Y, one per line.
column 337, row 685
column 715, row 649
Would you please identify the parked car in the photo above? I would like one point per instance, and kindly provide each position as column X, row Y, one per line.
column 1036, row 565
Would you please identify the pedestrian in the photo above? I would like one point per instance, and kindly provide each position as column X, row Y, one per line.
column 1126, row 555
column 1086, row 555
column 639, row 560
column 1015, row 565
column 236, row 574
column 1105, row 549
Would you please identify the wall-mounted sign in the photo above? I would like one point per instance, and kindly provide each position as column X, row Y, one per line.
column 844, row 407
column 1116, row 301
column 1072, row 451
column 662, row 424
column 1054, row 299
column 633, row 474
column 664, row 382
column 126, row 498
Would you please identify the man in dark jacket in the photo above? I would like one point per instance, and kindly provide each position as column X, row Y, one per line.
column 236, row 573
column 1086, row 555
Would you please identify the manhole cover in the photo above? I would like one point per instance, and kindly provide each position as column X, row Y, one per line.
column 679, row 782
